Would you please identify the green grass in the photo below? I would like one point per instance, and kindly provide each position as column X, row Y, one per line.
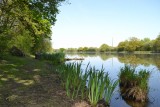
column 20, row 70
column 134, row 84
column 25, row 81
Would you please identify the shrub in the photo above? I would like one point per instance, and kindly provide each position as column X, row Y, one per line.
column 56, row 58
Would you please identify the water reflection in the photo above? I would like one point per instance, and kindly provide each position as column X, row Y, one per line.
column 136, row 104
column 133, row 59
column 112, row 64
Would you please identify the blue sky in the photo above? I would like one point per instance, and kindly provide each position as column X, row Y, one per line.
column 94, row 22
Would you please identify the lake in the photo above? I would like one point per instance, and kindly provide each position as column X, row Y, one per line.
column 112, row 64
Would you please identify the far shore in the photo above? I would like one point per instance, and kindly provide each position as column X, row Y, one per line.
column 115, row 52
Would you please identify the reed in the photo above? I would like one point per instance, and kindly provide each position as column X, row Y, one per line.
column 134, row 84
column 91, row 84
column 110, row 87
column 100, row 86
column 72, row 79
column 96, row 85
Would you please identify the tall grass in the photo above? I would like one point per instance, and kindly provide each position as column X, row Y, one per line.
column 72, row 79
column 91, row 84
column 55, row 58
column 134, row 84
column 96, row 85
column 110, row 87
column 100, row 86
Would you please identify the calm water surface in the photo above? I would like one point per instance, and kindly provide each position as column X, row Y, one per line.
column 112, row 64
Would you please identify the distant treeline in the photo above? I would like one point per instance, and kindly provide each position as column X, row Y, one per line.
column 130, row 45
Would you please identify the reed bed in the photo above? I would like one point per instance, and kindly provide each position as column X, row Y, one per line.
column 90, row 84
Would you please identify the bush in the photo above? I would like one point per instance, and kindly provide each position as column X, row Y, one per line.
column 56, row 58
column 16, row 52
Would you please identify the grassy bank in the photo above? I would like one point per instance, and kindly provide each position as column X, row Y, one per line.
column 29, row 82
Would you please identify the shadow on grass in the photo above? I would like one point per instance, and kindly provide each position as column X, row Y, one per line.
column 29, row 82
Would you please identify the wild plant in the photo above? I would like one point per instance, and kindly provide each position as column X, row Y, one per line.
column 100, row 86
column 56, row 58
column 96, row 85
column 134, row 84
column 109, row 90
column 90, row 83
column 72, row 79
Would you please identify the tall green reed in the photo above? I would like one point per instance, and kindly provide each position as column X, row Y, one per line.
column 109, row 90
column 100, row 86
column 96, row 84
column 72, row 78
column 91, row 84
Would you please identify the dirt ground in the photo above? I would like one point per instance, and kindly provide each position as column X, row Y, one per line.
column 46, row 93
column 26, row 82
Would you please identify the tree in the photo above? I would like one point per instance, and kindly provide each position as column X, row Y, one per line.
column 92, row 49
column 62, row 50
column 146, row 44
column 34, row 16
column 104, row 48
column 122, row 45
column 80, row 49
column 22, row 41
column 133, row 44
column 156, row 45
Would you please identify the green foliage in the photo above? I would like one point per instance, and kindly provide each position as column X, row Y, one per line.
column 156, row 45
column 29, row 21
column 110, row 87
column 55, row 58
column 92, row 49
column 46, row 9
column 72, row 79
column 23, row 42
column 87, row 49
column 100, row 86
column 122, row 45
column 130, row 78
column 133, row 44
column 4, row 43
column 43, row 45
column 62, row 50
column 96, row 85
column 71, row 50
column 80, row 49
column 91, row 83
column 104, row 48
column 134, row 85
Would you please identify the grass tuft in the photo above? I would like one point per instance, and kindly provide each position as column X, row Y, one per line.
column 133, row 84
